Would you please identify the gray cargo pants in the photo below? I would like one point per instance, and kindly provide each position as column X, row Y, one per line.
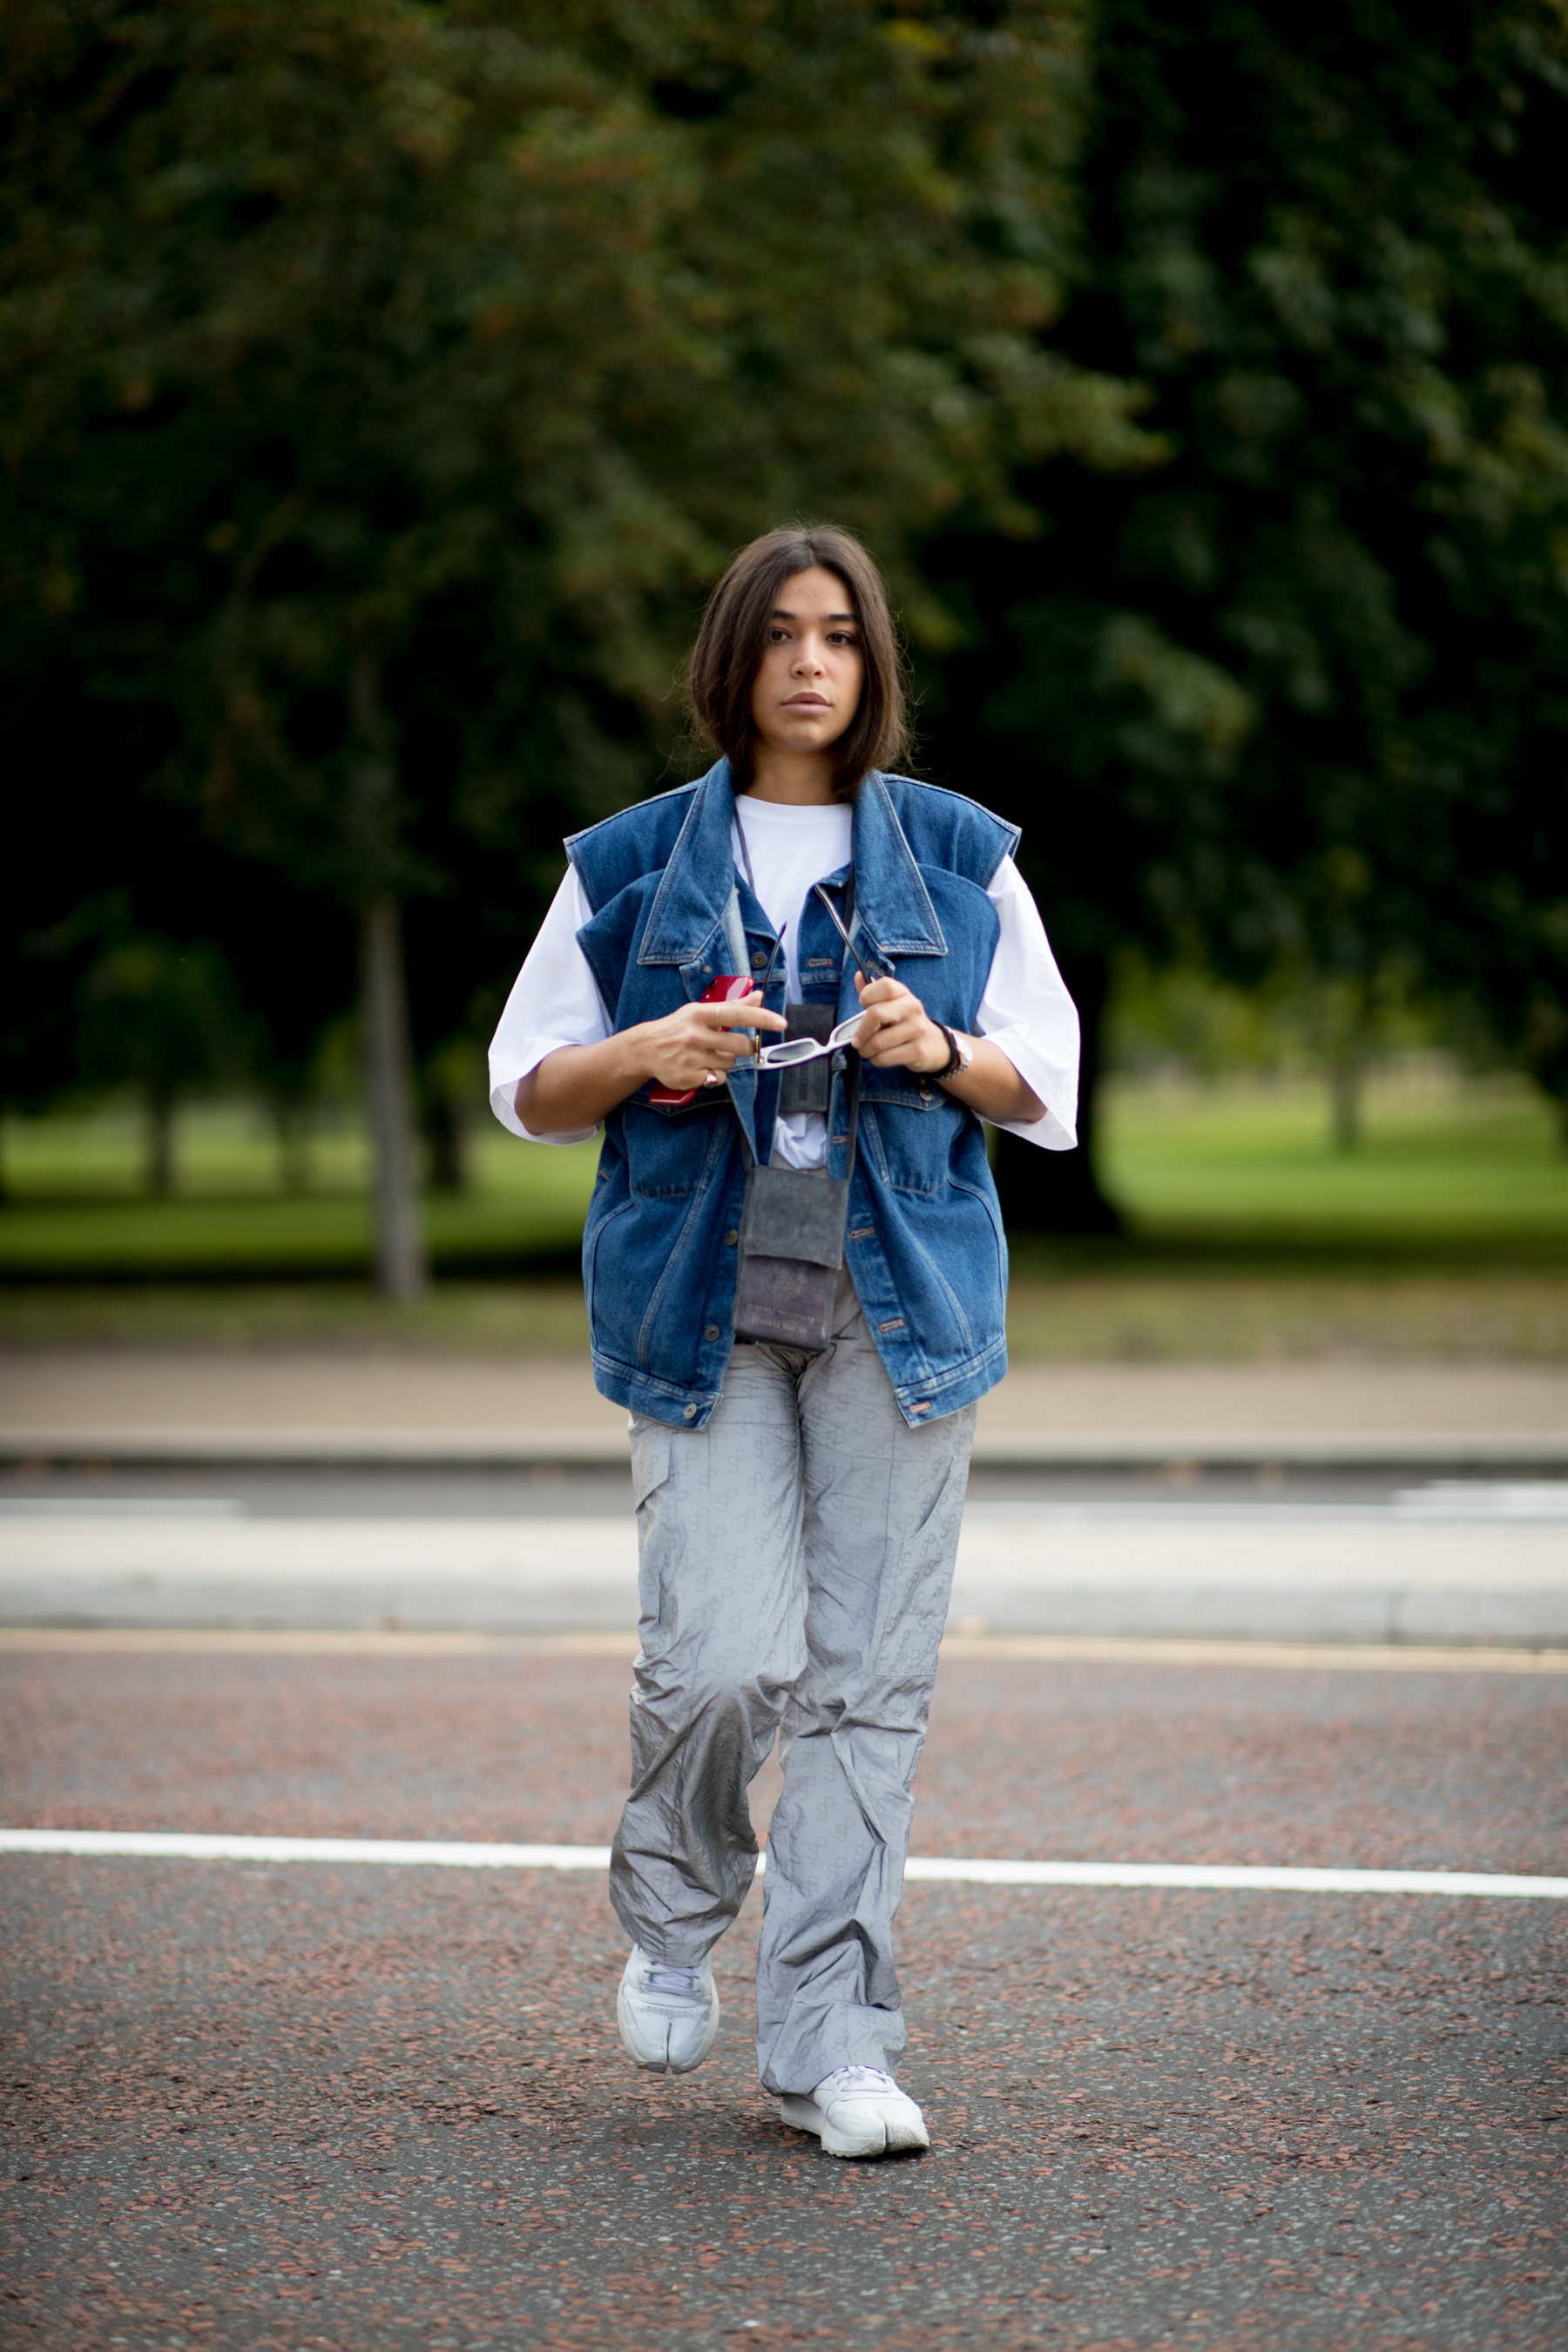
column 796, row 1557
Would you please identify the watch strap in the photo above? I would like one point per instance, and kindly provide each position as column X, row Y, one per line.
column 956, row 1060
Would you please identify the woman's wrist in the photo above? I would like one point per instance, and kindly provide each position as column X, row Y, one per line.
column 578, row 1085
column 938, row 1055
column 635, row 1062
column 958, row 1055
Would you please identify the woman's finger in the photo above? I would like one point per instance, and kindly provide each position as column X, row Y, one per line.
column 879, row 1018
column 741, row 1016
column 879, row 992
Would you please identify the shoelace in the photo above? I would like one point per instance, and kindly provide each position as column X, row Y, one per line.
column 856, row 2078
column 663, row 1975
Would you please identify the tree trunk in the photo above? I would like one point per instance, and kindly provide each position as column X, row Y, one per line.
column 400, row 1266
column 1059, row 1191
column 402, row 1271
column 160, row 1146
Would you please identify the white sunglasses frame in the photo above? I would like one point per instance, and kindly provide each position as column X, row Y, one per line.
column 786, row 1055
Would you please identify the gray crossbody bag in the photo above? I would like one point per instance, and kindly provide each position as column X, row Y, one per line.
column 792, row 1243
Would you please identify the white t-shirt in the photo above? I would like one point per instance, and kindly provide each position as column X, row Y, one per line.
column 1025, row 1008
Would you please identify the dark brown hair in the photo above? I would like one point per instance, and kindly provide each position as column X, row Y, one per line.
column 733, row 637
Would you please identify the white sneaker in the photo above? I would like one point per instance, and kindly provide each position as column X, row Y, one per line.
column 857, row 2111
column 668, row 2016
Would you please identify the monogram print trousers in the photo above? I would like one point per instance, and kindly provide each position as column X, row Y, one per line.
column 796, row 1558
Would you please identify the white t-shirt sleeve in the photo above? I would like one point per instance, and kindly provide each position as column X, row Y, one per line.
column 1027, row 1011
column 555, row 1001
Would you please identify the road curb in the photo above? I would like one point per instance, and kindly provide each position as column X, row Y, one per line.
column 1521, row 1452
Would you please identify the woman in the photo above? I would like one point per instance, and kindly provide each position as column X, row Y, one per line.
column 798, row 1506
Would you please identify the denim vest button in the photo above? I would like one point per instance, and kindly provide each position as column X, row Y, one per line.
column 759, row 962
column 690, row 1413
column 711, row 1332
column 730, row 1238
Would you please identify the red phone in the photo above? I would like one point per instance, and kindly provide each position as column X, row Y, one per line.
column 728, row 989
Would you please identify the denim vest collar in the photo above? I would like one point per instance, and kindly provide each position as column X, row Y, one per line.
column 695, row 897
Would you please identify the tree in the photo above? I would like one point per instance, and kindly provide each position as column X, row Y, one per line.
column 1297, row 696
column 158, row 1014
column 392, row 379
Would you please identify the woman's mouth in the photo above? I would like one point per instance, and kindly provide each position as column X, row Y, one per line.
column 806, row 702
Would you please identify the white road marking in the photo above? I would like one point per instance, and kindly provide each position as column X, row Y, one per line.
column 175, row 1845
column 1474, row 1499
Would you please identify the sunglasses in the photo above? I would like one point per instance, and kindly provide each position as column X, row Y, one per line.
column 788, row 1051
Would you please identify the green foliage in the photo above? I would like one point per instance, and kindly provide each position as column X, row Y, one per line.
column 381, row 384
column 157, row 1016
column 386, row 383
column 161, row 1018
column 1297, row 696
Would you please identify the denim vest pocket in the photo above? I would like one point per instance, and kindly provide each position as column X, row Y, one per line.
column 604, row 1210
column 668, row 1152
column 916, row 1135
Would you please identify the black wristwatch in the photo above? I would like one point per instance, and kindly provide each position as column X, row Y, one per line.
column 960, row 1054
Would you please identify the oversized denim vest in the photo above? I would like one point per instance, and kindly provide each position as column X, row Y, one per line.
column 925, row 1245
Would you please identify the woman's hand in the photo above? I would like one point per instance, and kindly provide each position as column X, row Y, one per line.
column 898, row 1032
column 696, row 1045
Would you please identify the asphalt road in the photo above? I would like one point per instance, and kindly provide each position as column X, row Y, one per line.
column 319, row 2107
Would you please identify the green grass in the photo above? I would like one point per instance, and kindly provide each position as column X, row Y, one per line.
column 1120, row 1314
column 1479, row 1166
column 1446, row 1235
column 497, row 1318
column 1129, row 1315
column 74, row 1209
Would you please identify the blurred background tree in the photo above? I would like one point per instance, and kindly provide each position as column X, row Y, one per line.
column 161, row 1016
column 383, row 384
column 389, row 383
column 1295, row 698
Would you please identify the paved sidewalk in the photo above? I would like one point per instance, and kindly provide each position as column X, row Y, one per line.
column 393, row 1406
column 1261, row 1572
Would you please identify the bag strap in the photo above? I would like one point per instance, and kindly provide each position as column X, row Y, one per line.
column 852, row 1059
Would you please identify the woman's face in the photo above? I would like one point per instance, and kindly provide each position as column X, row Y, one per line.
column 808, row 686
